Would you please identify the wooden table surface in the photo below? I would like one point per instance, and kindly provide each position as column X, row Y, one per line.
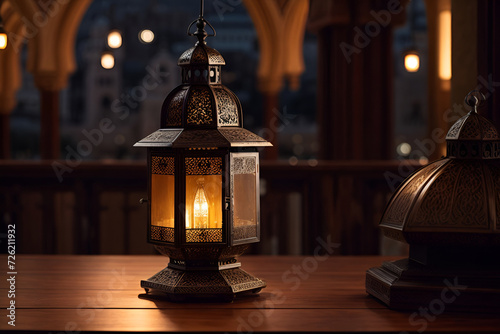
column 101, row 293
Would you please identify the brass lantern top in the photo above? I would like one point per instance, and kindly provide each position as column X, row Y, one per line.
column 201, row 112
column 454, row 200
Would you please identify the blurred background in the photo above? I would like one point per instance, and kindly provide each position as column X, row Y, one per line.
column 354, row 95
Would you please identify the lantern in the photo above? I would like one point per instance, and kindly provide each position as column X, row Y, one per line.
column 203, row 168
column 448, row 212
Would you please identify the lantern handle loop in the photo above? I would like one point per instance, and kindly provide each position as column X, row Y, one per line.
column 474, row 99
column 201, row 22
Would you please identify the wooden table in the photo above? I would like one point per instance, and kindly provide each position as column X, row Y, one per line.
column 101, row 293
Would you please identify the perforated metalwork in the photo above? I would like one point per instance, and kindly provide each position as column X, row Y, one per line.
column 203, row 282
column 240, row 280
column 200, row 108
column 201, row 139
column 487, row 129
column 204, row 253
column 203, row 165
column 174, row 113
column 227, row 108
column 215, row 58
column 244, row 232
column 243, row 165
column 165, row 280
column 473, row 149
column 204, row 235
column 162, row 233
column 197, row 283
column 402, row 202
column 185, row 58
column 240, row 135
column 470, row 129
column 455, row 128
column 199, row 56
column 161, row 136
column 162, row 165
column 455, row 199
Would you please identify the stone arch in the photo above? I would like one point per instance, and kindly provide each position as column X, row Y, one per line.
column 52, row 50
column 49, row 28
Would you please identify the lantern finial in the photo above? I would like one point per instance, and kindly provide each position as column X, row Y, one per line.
column 200, row 33
column 474, row 99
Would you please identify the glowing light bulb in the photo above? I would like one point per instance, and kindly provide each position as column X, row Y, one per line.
column 107, row 60
column 412, row 62
column 3, row 40
column 146, row 36
column 114, row 39
column 200, row 207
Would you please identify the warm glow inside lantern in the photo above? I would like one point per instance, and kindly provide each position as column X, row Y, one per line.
column 203, row 184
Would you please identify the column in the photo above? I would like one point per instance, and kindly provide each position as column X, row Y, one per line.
column 355, row 114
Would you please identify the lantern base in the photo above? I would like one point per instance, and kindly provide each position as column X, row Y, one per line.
column 202, row 285
column 407, row 285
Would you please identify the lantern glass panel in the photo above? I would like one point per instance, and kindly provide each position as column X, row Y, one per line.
column 162, row 198
column 204, row 199
column 245, row 201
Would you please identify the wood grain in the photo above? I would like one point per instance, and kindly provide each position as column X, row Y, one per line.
column 102, row 293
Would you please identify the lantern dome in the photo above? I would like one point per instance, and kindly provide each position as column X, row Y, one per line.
column 201, row 112
column 454, row 200
column 201, row 54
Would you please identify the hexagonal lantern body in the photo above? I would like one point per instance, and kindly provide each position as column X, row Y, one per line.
column 203, row 168
column 448, row 212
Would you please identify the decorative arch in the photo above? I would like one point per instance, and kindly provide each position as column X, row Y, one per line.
column 280, row 26
column 295, row 17
column 49, row 28
column 52, row 50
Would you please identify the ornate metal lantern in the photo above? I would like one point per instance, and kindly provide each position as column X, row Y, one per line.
column 449, row 213
column 203, row 167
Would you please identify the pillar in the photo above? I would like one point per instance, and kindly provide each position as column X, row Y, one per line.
column 355, row 114
column 50, row 145
column 10, row 76
column 488, row 53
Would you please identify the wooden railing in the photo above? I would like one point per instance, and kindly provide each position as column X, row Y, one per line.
column 96, row 210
